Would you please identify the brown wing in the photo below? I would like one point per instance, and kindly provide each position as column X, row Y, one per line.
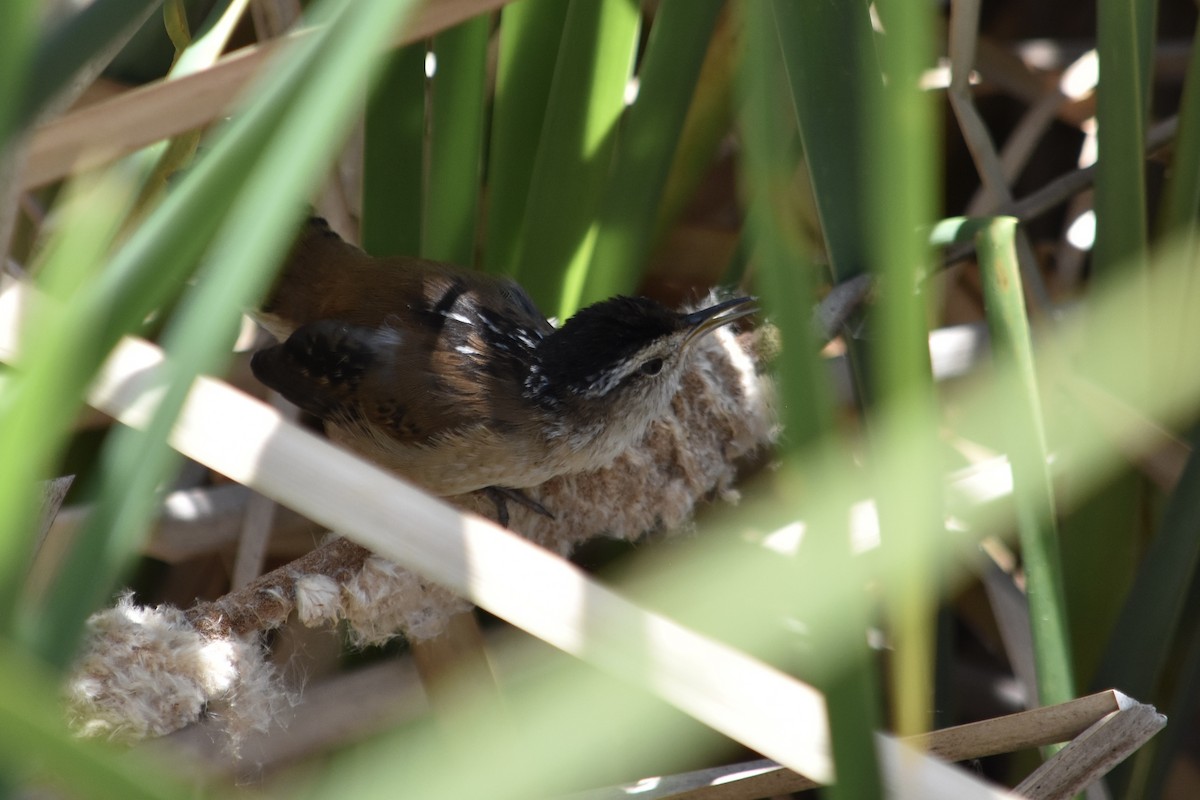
column 419, row 348
column 410, row 378
column 352, row 374
column 325, row 277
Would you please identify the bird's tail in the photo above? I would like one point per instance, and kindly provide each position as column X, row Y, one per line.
column 307, row 284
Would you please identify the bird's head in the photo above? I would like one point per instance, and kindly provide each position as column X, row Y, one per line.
column 624, row 355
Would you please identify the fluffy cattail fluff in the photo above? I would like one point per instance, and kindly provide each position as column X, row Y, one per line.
column 149, row 671
column 721, row 416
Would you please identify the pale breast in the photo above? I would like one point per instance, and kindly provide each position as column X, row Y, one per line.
column 476, row 459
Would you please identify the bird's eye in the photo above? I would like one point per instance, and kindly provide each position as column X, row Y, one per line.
column 651, row 367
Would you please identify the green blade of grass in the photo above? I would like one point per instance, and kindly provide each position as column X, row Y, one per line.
column 1140, row 643
column 901, row 179
column 1033, row 494
column 211, row 37
column 394, row 156
column 876, row 154
column 1124, row 45
column 145, row 272
column 649, row 133
column 708, row 121
column 1120, row 189
column 823, row 63
column 1180, row 214
column 574, row 152
column 73, row 339
column 43, row 394
column 1154, row 642
column 18, row 34
column 457, row 94
column 1185, row 672
column 956, row 230
column 1100, row 543
column 192, row 55
column 789, row 280
column 1145, row 21
column 1179, row 219
column 1121, row 117
column 831, row 55
column 1116, row 522
column 530, row 35
column 74, row 43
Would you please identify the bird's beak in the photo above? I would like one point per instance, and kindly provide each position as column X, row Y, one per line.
column 709, row 319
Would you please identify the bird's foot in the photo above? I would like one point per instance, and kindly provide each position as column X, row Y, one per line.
column 500, row 495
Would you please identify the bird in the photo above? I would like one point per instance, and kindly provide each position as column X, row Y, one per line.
column 454, row 379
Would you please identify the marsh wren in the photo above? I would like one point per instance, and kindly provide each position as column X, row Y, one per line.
column 454, row 379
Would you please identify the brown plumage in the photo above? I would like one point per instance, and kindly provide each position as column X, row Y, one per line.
column 454, row 379
column 393, row 340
